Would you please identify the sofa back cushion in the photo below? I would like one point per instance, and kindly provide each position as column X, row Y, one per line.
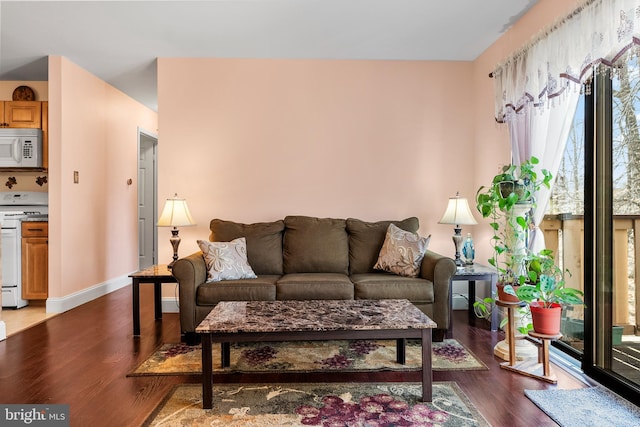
column 264, row 242
column 315, row 245
column 366, row 239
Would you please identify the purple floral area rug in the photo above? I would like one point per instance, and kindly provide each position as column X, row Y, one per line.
column 323, row 404
column 309, row 356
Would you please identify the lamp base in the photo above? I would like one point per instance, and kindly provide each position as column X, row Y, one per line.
column 175, row 242
column 457, row 241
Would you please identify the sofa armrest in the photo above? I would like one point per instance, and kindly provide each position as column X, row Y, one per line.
column 439, row 269
column 191, row 272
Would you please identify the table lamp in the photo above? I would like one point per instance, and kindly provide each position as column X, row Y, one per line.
column 175, row 214
column 457, row 213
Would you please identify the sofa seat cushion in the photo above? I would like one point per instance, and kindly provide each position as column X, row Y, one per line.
column 315, row 245
column 262, row 288
column 366, row 239
column 309, row 286
column 264, row 242
column 391, row 286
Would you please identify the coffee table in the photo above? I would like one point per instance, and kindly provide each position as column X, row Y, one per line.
column 255, row 321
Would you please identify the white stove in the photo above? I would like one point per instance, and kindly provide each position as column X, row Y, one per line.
column 14, row 208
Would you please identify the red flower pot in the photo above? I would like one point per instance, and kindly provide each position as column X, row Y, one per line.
column 546, row 320
column 503, row 296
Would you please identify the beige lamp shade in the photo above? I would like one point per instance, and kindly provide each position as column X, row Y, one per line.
column 458, row 212
column 175, row 213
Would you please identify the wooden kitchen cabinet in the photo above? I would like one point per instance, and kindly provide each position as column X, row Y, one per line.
column 35, row 260
column 21, row 114
column 28, row 114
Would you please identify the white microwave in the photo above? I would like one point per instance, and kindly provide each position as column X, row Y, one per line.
column 20, row 148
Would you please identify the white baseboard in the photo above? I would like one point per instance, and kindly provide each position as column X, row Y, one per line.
column 459, row 302
column 170, row 305
column 3, row 330
column 62, row 304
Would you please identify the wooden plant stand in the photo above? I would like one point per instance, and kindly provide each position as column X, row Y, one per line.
column 536, row 368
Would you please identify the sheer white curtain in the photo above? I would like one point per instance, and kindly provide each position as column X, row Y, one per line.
column 537, row 88
column 542, row 134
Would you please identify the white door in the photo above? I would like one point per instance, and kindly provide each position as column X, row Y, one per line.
column 147, row 206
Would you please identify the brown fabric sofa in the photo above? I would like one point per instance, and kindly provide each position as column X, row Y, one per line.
column 304, row 258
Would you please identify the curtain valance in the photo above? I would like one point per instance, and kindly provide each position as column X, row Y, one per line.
column 601, row 33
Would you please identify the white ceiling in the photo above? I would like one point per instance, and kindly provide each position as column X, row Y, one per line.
column 119, row 41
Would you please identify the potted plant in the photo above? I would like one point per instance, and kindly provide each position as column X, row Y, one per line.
column 507, row 202
column 543, row 288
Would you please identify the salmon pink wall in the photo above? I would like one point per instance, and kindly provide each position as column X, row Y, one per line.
column 93, row 235
column 257, row 139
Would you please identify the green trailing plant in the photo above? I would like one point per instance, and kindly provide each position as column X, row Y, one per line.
column 507, row 201
column 514, row 185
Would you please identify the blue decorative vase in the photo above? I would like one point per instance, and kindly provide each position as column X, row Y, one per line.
column 468, row 251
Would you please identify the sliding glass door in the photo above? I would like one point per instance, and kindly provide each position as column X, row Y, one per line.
column 594, row 217
column 617, row 162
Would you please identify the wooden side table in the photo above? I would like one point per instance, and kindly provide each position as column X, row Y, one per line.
column 471, row 273
column 156, row 274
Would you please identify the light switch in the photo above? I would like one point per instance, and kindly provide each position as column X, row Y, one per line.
column 76, row 178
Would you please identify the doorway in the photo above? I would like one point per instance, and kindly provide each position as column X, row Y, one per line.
column 147, row 199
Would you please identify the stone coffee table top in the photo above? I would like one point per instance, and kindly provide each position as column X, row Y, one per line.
column 315, row 315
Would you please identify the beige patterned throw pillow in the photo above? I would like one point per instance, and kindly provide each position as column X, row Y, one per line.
column 402, row 252
column 226, row 260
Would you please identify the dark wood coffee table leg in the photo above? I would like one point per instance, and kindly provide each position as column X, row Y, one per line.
column 207, row 372
column 401, row 345
column 427, row 377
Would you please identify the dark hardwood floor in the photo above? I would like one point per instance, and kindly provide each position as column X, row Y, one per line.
column 82, row 357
